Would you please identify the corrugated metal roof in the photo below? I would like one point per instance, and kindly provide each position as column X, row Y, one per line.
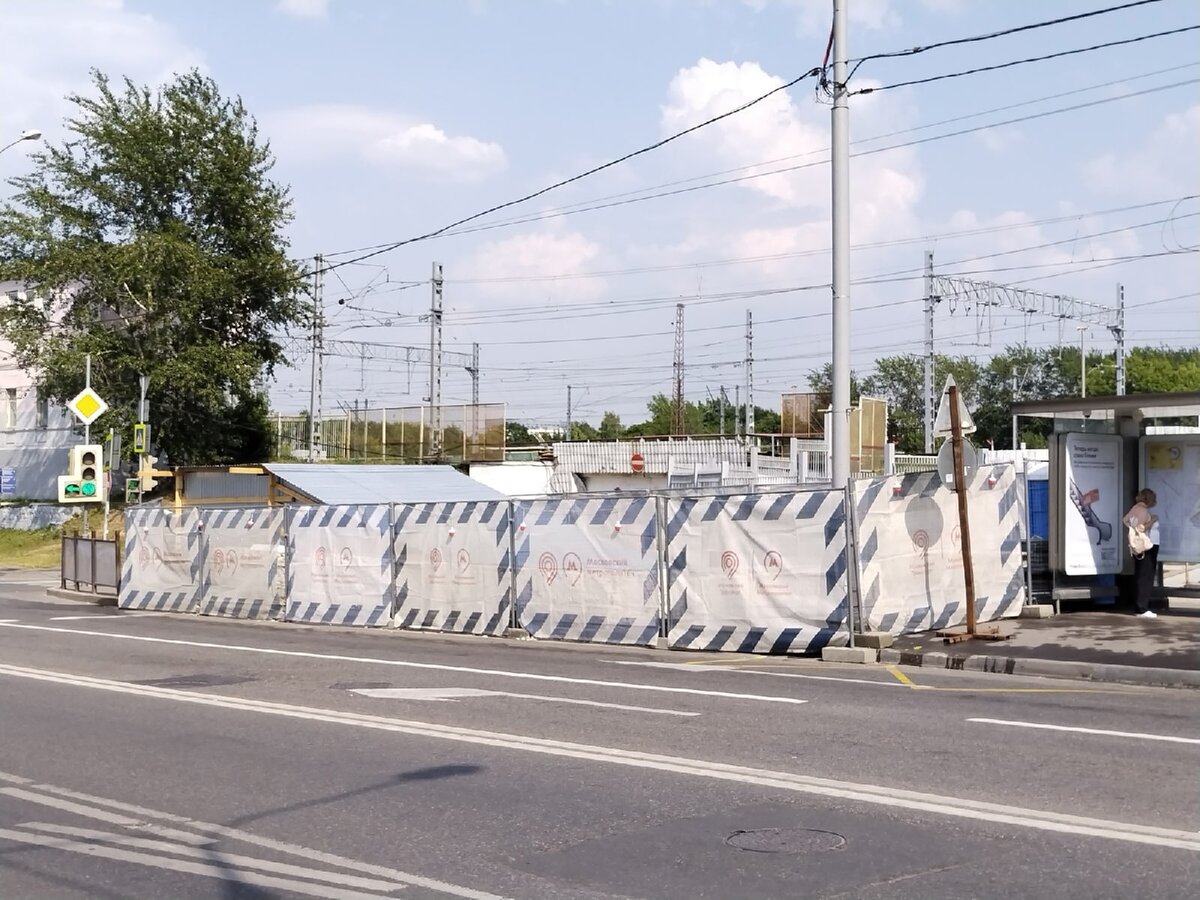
column 343, row 485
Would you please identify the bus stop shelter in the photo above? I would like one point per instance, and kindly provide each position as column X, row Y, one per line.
column 1102, row 451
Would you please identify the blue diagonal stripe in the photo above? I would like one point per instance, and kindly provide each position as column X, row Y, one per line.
column 604, row 511
column 775, row 510
column 812, row 505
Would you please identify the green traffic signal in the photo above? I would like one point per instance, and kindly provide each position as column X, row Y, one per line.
column 89, row 489
column 74, row 488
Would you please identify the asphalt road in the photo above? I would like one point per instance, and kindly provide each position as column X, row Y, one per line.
column 153, row 756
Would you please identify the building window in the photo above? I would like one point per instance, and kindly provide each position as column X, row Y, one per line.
column 10, row 408
column 42, row 407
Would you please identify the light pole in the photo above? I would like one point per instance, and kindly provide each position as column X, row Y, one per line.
column 29, row 134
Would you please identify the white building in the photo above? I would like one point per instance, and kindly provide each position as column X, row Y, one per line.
column 34, row 435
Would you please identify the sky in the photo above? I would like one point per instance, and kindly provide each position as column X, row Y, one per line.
column 393, row 118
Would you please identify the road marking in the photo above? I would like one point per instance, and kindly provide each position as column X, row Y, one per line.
column 693, row 668
column 900, row 677
column 1170, row 739
column 452, row 694
column 92, row 806
column 401, row 663
column 173, row 864
column 231, row 860
column 921, row 801
column 126, row 614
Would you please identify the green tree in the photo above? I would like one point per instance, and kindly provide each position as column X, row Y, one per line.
column 517, row 435
column 610, row 427
column 900, row 380
column 155, row 235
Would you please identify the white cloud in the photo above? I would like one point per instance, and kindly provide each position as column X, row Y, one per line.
column 539, row 255
column 1000, row 140
column 304, row 9
column 1163, row 165
column 49, row 47
column 381, row 138
column 885, row 187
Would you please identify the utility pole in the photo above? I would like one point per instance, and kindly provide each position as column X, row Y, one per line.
column 318, row 341
column 737, row 410
column 1082, row 362
column 929, row 302
column 722, row 398
column 435, row 365
column 473, row 370
column 678, row 419
column 567, row 430
column 749, row 374
column 840, row 160
column 1119, row 334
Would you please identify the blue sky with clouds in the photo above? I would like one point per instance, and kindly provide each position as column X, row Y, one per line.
column 392, row 118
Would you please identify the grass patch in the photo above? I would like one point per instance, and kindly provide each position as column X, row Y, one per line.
column 41, row 549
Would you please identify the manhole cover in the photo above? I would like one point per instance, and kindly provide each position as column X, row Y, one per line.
column 786, row 840
column 189, row 681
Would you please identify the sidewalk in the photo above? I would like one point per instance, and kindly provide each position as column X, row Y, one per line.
column 1096, row 646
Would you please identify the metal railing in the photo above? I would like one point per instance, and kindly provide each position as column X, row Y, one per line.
column 90, row 565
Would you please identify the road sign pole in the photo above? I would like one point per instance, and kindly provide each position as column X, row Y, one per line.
column 964, row 521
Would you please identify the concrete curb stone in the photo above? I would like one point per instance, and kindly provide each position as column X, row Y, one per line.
column 1050, row 668
column 83, row 597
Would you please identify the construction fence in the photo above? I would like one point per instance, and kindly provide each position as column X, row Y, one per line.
column 788, row 571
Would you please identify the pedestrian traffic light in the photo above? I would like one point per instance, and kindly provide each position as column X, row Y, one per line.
column 83, row 481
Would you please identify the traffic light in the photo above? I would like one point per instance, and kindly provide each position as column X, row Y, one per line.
column 83, row 482
column 148, row 481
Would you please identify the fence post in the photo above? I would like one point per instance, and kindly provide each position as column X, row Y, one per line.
column 285, row 594
column 660, row 513
column 62, row 564
column 92, row 543
column 1024, row 479
column 512, row 565
column 395, row 568
column 853, row 573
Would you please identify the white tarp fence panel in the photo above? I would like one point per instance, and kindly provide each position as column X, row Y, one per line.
column 244, row 563
column 453, row 568
column 162, row 560
column 757, row 573
column 910, row 553
column 340, row 565
column 587, row 569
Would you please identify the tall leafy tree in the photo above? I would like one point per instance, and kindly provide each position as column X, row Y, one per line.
column 155, row 235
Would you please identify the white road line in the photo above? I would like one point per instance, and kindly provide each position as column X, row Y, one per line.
column 451, row 694
column 994, row 813
column 231, row 860
column 1100, row 731
column 126, row 615
column 748, row 669
column 406, row 664
column 173, row 864
column 92, row 812
column 213, row 832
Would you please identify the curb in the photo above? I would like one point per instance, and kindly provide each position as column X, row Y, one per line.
column 83, row 597
column 1047, row 668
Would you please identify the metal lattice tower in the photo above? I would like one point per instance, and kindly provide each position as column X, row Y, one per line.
column 988, row 295
column 435, row 365
column 678, row 418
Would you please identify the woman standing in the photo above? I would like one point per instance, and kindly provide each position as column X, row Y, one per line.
column 1142, row 520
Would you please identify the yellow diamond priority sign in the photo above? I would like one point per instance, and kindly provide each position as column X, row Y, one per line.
column 88, row 406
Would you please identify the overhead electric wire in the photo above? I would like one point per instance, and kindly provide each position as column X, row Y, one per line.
column 811, row 73
column 1021, row 62
column 1005, row 32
